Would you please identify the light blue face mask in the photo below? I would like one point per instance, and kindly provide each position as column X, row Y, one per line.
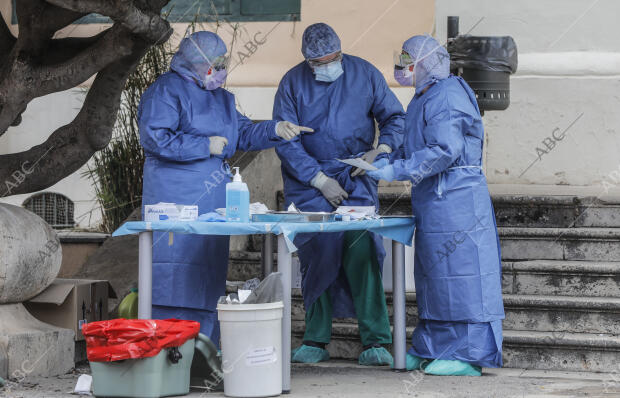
column 328, row 72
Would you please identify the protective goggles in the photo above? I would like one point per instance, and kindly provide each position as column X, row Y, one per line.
column 402, row 59
column 314, row 63
column 220, row 63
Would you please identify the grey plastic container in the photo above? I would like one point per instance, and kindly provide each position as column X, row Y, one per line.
column 287, row 216
column 151, row 377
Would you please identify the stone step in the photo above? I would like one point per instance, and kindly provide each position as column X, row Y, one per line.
column 561, row 351
column 533, row 210
column 521, row 349
column 559, row 277
column 244, row 265
column 528, row 312
column 589, row 244
column 396, row 203
column 568, row 244
column 555, row 211
column 561, row 314
column 544, row 277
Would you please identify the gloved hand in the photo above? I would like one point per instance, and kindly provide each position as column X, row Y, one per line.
column 381, row 163
column 217, row 144
column 370, row 157
column 288, row 130
column 330, row 188
column 385, row 173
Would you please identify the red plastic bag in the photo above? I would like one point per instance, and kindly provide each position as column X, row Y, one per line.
column 119, row 339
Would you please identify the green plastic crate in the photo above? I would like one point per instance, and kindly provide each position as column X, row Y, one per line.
column 151, row 377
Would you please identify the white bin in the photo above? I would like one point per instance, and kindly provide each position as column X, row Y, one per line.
column 251, row 339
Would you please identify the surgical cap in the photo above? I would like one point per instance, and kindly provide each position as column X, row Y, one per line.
column 196, row 54
column 318, row 41
column 431, row 60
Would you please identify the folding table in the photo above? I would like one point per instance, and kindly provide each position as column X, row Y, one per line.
column 399, row 229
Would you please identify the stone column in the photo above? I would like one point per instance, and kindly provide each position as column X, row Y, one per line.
column 30, row 258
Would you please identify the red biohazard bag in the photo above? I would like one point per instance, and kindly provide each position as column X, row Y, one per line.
column 119, row 339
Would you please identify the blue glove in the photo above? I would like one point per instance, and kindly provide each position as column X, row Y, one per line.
column 385, row 173
column 384, row 161
column 211, row 217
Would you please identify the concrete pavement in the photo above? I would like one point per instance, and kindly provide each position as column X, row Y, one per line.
column 346, row 379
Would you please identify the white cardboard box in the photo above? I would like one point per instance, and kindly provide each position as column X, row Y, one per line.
column 170, row 212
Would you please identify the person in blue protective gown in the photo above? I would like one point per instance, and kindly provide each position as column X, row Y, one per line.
column 188, row 127
column 457, row 253
column 340, row 96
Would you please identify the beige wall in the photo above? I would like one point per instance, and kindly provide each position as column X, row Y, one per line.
column 568, row 75
column 371, row 29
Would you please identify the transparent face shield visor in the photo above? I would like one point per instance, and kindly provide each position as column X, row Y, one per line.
column 218, row 63
column 402, row 59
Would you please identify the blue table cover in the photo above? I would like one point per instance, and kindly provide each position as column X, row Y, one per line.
column 396, row 228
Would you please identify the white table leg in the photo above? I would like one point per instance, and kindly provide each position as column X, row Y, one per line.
column 399, row 301
column 145, row 274
column 284, row 266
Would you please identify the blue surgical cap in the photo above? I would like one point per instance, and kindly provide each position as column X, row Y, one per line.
column 431, row 60
column 318, row 41
column 196, row 54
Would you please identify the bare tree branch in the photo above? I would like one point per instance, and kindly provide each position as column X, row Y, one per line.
column 32, row 33
column 57, row 17
column 63, row 49
column 35, row 65
column 147, row 24
column 72, row 145
column 39, row 20
column 115, row 44
column 39, row 80
column 7, row 40
column 38, row 77
column 153, row 5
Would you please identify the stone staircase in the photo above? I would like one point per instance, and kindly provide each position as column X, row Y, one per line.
column 561, row 283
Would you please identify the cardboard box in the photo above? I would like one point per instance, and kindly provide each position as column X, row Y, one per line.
column 170, row 212
column 70, row 303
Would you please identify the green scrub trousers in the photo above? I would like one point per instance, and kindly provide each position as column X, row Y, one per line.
column 361, row 268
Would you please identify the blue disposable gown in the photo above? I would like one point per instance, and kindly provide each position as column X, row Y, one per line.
column 457, row 254
column 176, row 117
column 342, row 114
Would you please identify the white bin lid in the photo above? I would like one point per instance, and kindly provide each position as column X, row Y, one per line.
column 250, row 307
column 250, row 312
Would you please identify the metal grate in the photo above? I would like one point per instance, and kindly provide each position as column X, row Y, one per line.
column 54, row 208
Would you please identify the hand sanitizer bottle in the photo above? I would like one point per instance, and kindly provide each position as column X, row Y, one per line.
column 237, row 199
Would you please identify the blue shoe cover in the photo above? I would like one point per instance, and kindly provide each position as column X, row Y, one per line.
column 308, row 354
column 375, row 356
column 414, row 362
column 443, row 367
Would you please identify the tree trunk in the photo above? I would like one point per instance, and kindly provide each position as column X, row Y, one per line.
column 36, row 64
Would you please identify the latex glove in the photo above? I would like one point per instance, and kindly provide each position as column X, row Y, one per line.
column 381, row 163
column 370, row 157
column 329, row 187
column 288, row 130
column 217, row 144
column 385, row 173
